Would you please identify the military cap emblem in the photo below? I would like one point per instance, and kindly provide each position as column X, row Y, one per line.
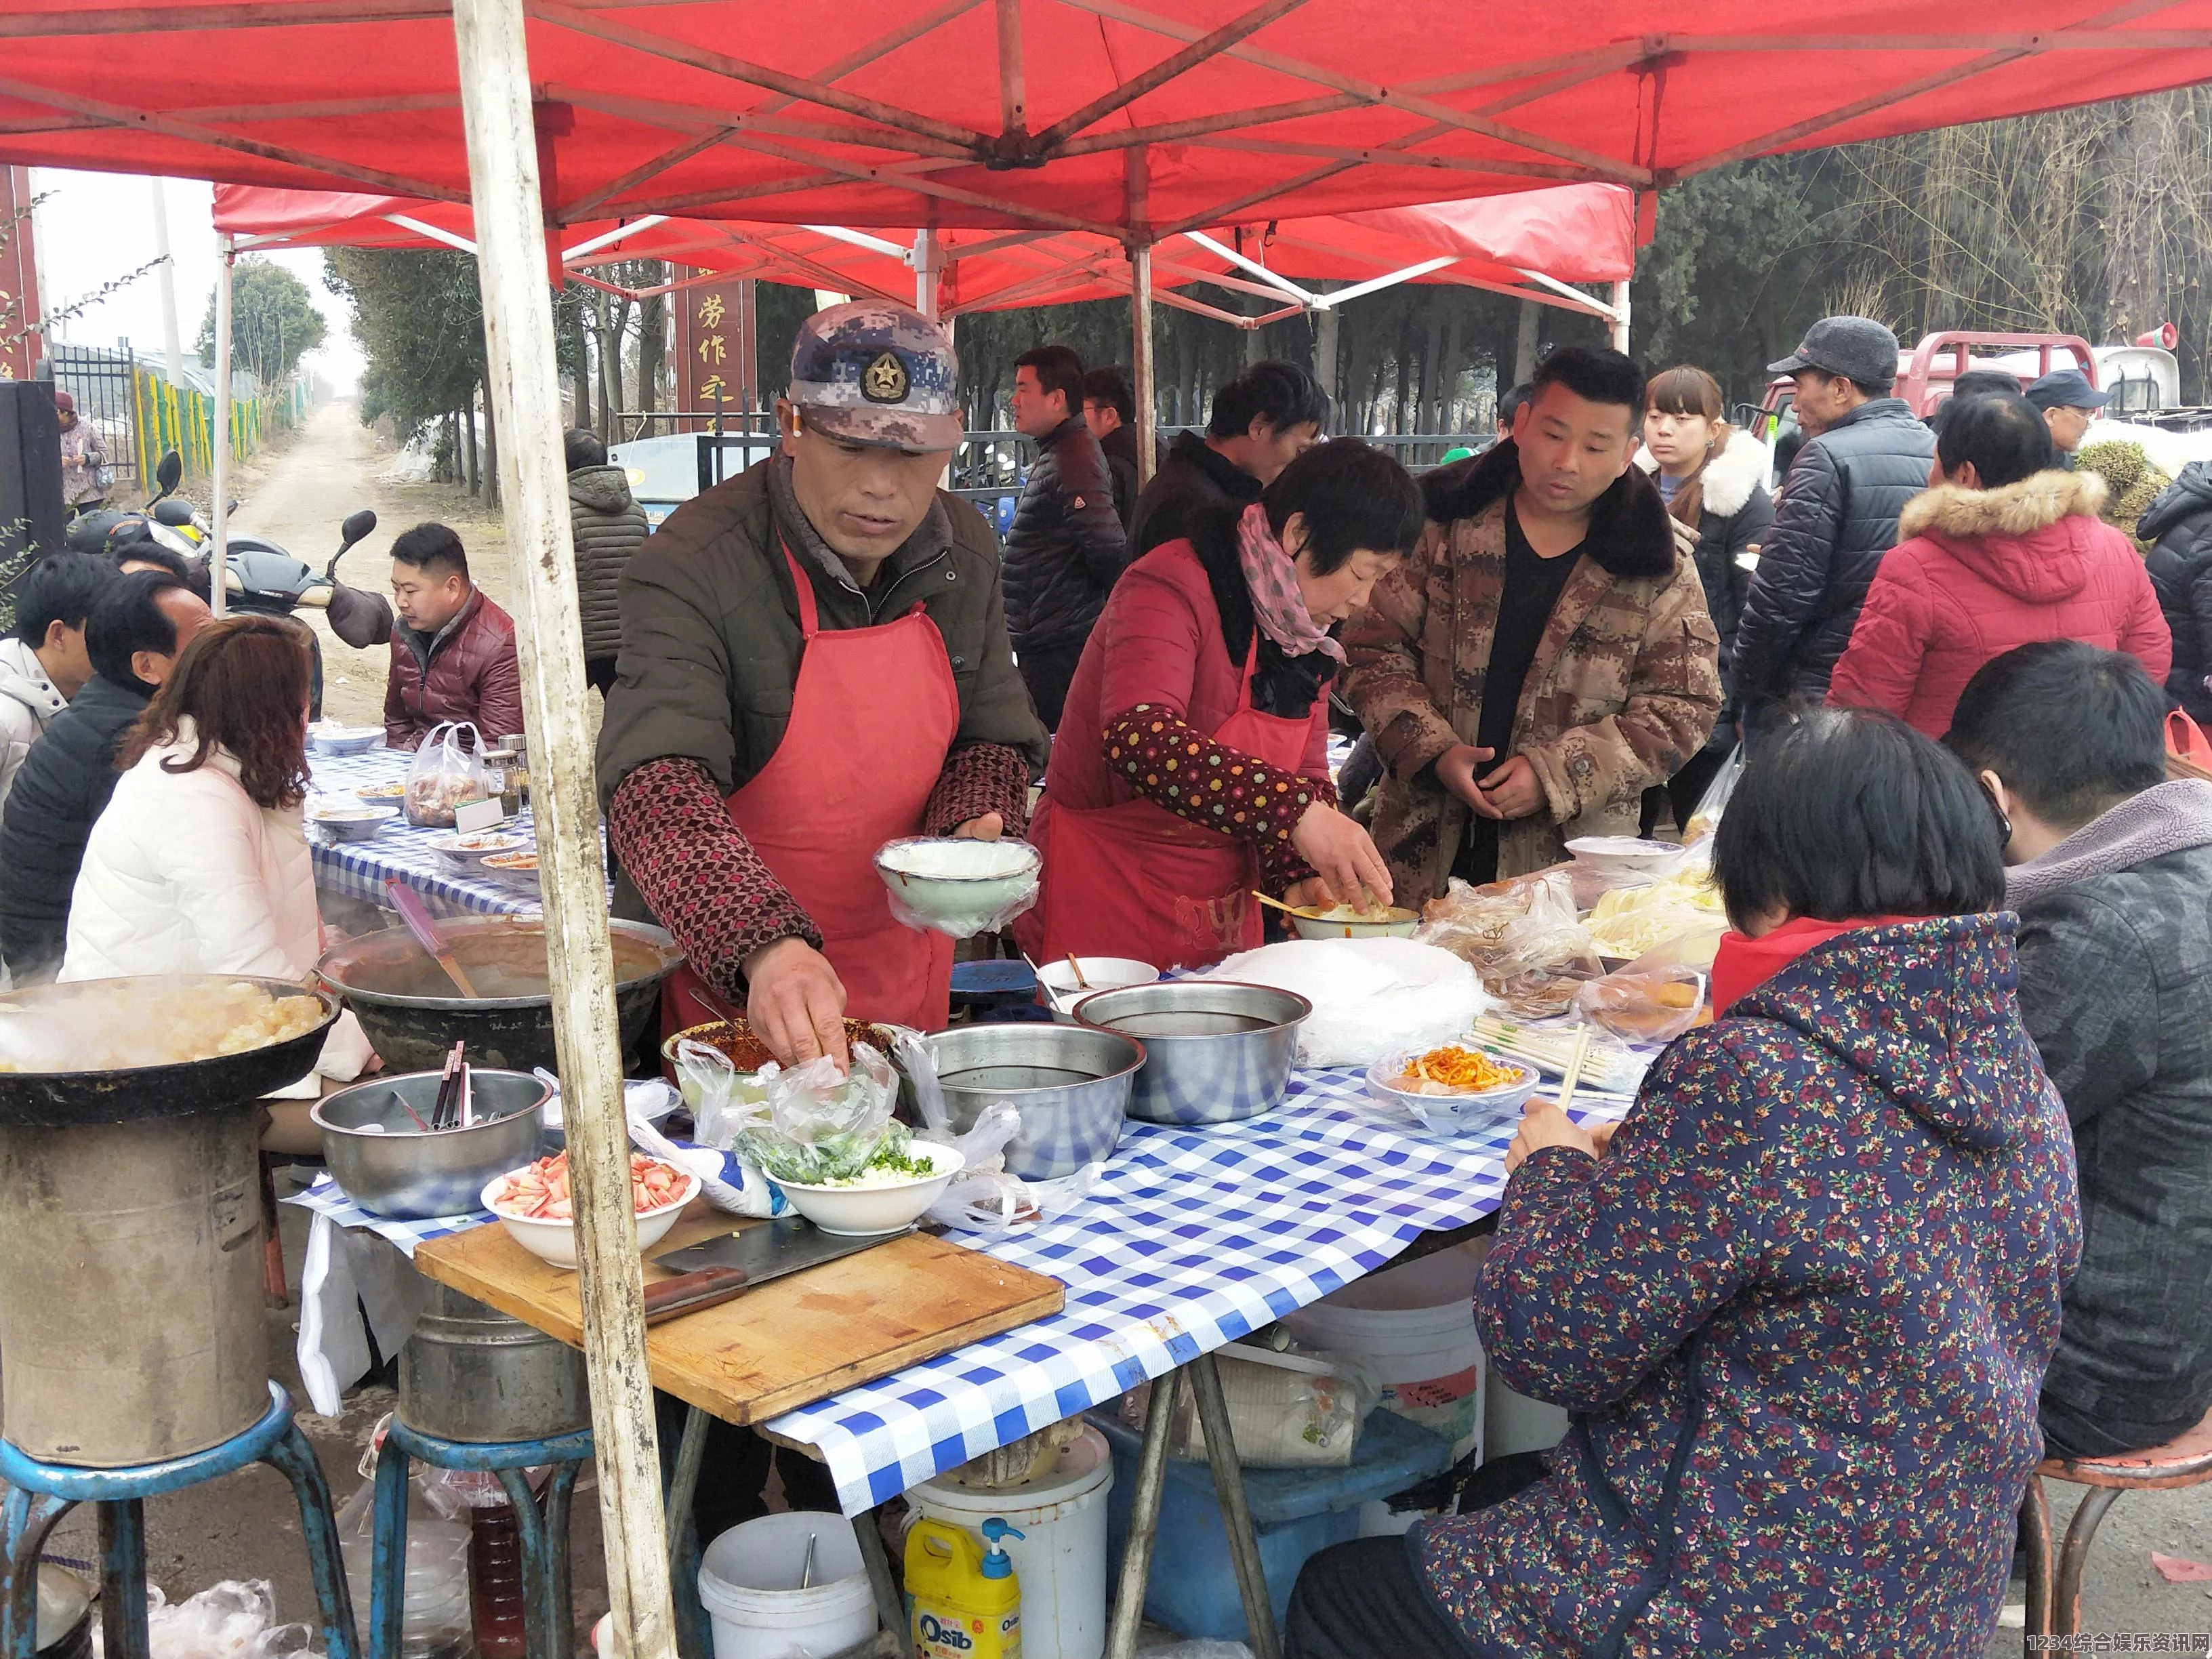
column 885, row 380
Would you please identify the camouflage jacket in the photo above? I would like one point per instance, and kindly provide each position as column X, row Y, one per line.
column 1624, row 688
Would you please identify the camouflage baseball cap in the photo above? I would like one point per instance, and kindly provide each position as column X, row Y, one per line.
column 870, row 372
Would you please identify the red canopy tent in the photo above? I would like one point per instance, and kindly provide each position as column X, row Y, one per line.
column 1153, row 120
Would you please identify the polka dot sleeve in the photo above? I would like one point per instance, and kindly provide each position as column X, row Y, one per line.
column 1175, row 766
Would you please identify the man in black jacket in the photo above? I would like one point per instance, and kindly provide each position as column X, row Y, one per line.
column 1109, row 409
column 1065, row 548
column 1261, row 422
column 1837, row 516
column 2112, row 878
column 2180, row 568
column 133, row 634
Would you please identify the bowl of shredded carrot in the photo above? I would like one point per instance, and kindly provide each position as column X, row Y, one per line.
column 1456, row 1089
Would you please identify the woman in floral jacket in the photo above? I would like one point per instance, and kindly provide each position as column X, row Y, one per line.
column 1801, row 1306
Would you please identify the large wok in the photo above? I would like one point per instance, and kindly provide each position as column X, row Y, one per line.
column 134, row 1094
column 413, row 1014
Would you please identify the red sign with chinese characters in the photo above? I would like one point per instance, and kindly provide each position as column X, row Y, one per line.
column 714, row 352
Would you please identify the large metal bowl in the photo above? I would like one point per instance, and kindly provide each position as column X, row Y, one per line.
column 386, row 1163
column 413, row 1015
column 1070, row 1085
column 129, row 1094
column 1215, row 1051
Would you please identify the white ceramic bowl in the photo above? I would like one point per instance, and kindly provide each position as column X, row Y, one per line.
column 326, row 738
column 1626, row 856
column 556, row 1241
column 344, row 817
column 960, row 887
column 1473, row 1114
column 857, row 1212
column 1099, row 974
column 1392, row 924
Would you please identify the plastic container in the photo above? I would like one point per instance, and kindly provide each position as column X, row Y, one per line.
column 1061, row 1559
column 1413, row 1327
column 1295, row 1512
column 749, row 1584
column 964, row 1600
column 433, row 1616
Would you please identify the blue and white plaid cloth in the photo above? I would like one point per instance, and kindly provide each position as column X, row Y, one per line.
column 326, row 1198
column 359, row 869
column 1192, row 1238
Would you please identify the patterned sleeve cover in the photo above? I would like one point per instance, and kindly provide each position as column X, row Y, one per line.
column 983, row 777
column 698, row 873
column 1175, row 766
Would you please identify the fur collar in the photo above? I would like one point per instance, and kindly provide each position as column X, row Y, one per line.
column 2035, row 502
column 1730, row 477
column 1630, row 533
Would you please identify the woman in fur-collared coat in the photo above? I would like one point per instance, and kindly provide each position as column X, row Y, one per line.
column 2007, row 548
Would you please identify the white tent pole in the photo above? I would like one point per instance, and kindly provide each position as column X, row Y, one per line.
column 1323, row 301
column 928, row 261
column 1619, row 290
column 608, row 238
column 219, row 567
column 1140, row 312
column 172, row 350
column 860, row 238
column 422, row 228
column 1620, row 316
column 526, row 400
column 1275, row 278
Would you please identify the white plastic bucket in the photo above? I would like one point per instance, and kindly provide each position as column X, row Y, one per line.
column 749, row 1583
column 1414, row 1327
column 1061, row 1562
column 1513, row 1422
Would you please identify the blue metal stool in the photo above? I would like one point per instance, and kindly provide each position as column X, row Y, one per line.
column 548, row 1616
column 40, row 1494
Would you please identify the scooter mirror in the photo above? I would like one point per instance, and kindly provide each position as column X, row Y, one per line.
column 358, row 525
column 171, row 472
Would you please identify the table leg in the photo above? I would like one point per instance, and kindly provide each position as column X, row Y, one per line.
column 1144, row 1520
column 123, row 1625
column 1235, row 1513
column 890, row 1606
column 693, row 1639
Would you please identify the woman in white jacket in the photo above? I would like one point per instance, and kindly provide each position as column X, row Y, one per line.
column 199, row 865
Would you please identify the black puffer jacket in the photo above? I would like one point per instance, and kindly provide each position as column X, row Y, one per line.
column 60, row 794
column 1836, row 518
column 2180, row 567
column 1065, row 546
column 1119, row 448
column 1191, row 478
column 609, row 526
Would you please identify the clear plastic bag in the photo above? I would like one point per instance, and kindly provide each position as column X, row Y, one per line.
column 819, row 1124
column 1649, row 1004
column 1707, row 816
column 982, row 1198
column 958, row 886
column 446, row 774
column 234, row 1620
column 1286, row 1410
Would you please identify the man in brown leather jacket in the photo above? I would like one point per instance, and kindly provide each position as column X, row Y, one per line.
column 453, row 649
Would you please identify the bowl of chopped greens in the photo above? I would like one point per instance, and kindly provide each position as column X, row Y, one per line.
column 902, row 1178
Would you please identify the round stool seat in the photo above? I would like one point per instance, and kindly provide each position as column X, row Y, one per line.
column 2054, row 1597
column 2184, row 1460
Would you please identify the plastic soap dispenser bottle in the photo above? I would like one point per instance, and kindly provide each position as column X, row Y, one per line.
column 964, row 1603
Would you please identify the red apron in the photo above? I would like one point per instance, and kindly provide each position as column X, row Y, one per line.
column 872, row 718
column 1135, row 880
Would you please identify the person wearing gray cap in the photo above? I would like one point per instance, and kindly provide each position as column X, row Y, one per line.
column 1835, row 518
column 813, row 662
column 2068, row 404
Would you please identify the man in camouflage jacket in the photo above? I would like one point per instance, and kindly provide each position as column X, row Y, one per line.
column 1622, row 688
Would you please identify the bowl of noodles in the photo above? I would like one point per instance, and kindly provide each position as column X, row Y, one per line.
column 1453, row 1090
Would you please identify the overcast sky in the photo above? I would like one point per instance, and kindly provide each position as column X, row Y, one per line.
column 96, row 227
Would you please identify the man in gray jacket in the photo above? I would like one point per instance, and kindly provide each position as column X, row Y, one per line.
column 2112, row 879
column 1836, row 516
column 609, row 526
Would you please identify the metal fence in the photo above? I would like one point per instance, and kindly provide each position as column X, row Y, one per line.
column 102, row 381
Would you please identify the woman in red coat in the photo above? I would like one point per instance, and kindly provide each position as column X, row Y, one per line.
column 2005, row 549
column 1190, row 765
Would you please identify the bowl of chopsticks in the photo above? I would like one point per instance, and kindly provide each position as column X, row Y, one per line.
column 422, row 1144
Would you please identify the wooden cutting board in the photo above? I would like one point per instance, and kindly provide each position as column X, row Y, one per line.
column 790, row 1342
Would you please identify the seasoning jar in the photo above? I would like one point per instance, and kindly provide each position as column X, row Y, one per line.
column 501, row 765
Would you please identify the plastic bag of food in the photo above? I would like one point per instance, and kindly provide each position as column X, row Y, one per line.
column 1287, row 1410
column 1369, row 995
column 821, row 1124
column 722, row 1099
column 446, row 774
column 1651, row 1004
column 1540, row 961
column 1706, row 817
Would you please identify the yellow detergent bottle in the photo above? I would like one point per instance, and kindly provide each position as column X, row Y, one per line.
column 963, row 1602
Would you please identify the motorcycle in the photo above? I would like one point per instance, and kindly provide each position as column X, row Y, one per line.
column 259, row 576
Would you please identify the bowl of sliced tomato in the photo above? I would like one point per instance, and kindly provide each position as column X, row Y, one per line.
column 535, row 1206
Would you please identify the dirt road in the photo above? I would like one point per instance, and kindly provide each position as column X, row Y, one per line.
column 304, row 491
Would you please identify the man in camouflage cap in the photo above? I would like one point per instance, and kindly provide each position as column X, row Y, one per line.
column 814, row 661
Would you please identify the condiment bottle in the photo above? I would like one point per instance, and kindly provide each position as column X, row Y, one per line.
column 496, row 1582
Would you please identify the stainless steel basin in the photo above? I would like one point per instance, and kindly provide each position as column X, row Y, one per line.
column 1070, row 1083
column 1215, row 1051
column 385, row 1162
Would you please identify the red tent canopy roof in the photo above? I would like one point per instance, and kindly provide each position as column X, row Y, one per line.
column 906, row 109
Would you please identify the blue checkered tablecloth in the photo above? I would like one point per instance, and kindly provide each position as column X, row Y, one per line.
column 1192, row 1238
column 324, row 1198
column 358, row 869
